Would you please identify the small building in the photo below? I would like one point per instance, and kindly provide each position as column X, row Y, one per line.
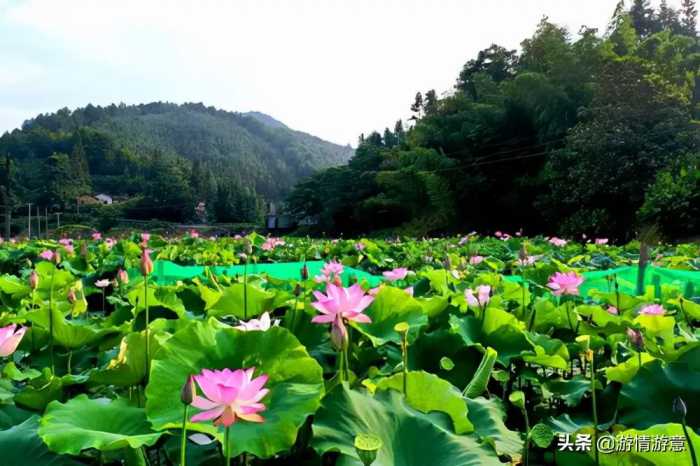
column 104, row 199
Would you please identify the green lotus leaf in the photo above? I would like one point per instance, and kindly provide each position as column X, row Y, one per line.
column 159, row 297
column 392, row 306
column 20, row 445
column 500, row 330
column 128, row 367
column 103, row 424
column 647, row 399
column 41, row 390
column 625, row 371
column 230, row 301
column 676, row 451
column 488, row 417
column 70, row 334
column 409, row 437
column 295, row 382
column 427, row 392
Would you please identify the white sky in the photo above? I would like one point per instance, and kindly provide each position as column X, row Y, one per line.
column 333, row 68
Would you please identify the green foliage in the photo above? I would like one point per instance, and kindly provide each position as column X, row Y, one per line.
column 566, row 136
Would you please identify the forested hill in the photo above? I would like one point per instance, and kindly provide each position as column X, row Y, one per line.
column 576, row 132
column 166, row 155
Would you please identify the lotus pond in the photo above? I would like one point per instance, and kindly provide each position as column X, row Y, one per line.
column 444, row 352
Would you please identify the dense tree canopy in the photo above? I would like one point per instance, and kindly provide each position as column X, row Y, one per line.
column 167, row 158
column 573, row 134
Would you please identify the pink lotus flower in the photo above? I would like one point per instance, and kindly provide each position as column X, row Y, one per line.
column 498, row 234
column 397, row 274
column 146, row 263
column 476, row 260
column 330, row 272
column 145, row 237
column 230, row 395
column 359, row 247
column 9, row 339
column 65, row 242
column 97, row 236
column 482, row 298
column 194, row 234
column 262, row 324
column 272, row 243
column 338, row 302
column 557, row 241
column 102, row 283
column 375, row 291
column 122, row 276
column 69, row 249
column 110, row 242
column 613, row 310
column 565, row 283
column 409, row 291
column 636, row 338
column 652, row 310
column 601, row 241
column 47, row 255
column 527, row 260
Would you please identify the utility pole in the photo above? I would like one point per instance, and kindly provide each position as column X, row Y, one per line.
column 46, row 216
column 58, row 220
column 38, row 222
column 29, row 221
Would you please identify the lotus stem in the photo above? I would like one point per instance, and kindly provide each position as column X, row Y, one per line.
column 527, row 437
column 245, row 290
column 148, row 339
column 404, row 356
column 53, row 366
column 691, row 448
column 227, row 447
column 183, row 439
column 341, row 365
column 595, row 410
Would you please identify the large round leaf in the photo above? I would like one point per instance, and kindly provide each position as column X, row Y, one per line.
column 295, row 382
column 409, row 438
column 427, row 392
column 648, row 398
column 20, row 445
column 390, row 307
column 103, row 424
column 488, row 418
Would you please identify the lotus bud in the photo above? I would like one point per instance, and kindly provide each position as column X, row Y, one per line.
column 243, row 258
column 636, row 339
column 33, row 280
column 297, row 290
column 304, row 272
column 146, row 263
column 447, row 263
column 71, row 296
column 248, row 247
column 339, row 334
column 188, row 391
column 83, row 249
column 122, row 276
column 367, row 446
column 522, row 253
column 680, row 407
column 56, row 258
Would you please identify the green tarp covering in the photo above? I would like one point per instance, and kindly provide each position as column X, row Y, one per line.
column 165, row 272
column 687, row 282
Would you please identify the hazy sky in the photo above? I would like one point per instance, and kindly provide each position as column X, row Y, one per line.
column 334, row 68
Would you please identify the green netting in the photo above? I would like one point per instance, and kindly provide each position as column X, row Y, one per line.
column 657, row 278
column 166, row 272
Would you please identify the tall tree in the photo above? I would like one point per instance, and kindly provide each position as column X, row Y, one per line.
column 417, row 106
column 689, row 18
column 668, row 18
column 399, row 132
column 431, row 102
column 642, row 15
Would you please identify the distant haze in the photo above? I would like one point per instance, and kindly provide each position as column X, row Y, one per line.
column 332, row 68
